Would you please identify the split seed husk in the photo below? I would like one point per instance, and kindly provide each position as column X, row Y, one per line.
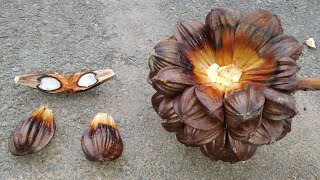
column 57, row 83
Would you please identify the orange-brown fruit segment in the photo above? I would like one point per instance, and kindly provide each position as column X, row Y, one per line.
column 102, row 141
column 33, row 133
column 253, row 32
column 56, row 83
column 222, row 25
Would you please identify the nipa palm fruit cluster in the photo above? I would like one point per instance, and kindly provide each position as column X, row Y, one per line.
column 226, row 85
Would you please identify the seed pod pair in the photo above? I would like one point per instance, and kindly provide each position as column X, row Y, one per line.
column 101, row 142
column 57, row 83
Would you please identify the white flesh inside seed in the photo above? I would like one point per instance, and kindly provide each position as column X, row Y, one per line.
column 49, row 84
column 87, row 80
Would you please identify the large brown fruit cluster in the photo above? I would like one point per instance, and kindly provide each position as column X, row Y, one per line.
column 226, row 86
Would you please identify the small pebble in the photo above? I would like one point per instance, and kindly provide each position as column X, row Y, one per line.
column 310, row 42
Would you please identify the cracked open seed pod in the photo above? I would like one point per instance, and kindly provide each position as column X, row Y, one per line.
column 33, row 133
column 102, row 141
column 57, row 83
column 226, row 85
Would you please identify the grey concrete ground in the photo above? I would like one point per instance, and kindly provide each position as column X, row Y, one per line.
column 70, row 35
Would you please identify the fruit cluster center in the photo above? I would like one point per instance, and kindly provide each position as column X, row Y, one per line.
column 227, row 76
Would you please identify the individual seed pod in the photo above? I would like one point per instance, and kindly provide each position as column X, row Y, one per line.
column 33, row 133
column 102, row 141
column 57, row 83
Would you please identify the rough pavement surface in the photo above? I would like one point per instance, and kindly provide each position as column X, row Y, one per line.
column 70, row 35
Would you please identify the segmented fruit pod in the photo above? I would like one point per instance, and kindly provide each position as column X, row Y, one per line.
column 102, row 141
column 57, row 83
column 226, row 85
column 33, row 133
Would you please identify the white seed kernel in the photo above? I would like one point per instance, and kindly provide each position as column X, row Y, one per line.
column 49, row 84
column 87, row 80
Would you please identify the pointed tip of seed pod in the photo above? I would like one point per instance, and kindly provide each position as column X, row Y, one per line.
column 103, row 75
column 103, row 119
column 16, row 79
column 44, row 114
column 310, row 42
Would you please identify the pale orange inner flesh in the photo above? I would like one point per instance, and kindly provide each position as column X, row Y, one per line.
column 213, row 69
column 225, row 76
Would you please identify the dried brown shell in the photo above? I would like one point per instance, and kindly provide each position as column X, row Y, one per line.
column 102, row 141
column 195, row 114
column 170, row 81
column 57, row 83
column 225, row 148
column 269, row 132
column 243, row 106
column 169, row 111
column 165, row 53
column 33, row 133
column 278, row 105
column 194, row 137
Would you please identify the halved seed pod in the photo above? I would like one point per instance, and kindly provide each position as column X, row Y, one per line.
column 56, row 83
column 102, row 141
column 33, row 133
